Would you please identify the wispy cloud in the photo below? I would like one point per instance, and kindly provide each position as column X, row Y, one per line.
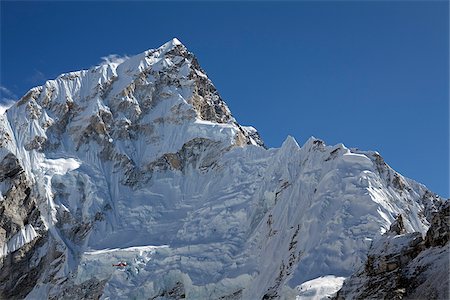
column 5, row 92
column 37, row 77
column 7, row 99
column 114, row 58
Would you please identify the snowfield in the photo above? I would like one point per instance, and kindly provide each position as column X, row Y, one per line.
column 321, row 288
column 139, row 162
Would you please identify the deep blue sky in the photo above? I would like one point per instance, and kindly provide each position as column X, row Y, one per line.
column 373, row 75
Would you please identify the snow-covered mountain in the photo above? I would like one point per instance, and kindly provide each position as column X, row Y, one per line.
column 139, row 163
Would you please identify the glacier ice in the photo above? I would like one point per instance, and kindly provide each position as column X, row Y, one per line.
column 140, row 160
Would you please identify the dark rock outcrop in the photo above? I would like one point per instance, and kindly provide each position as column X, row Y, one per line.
column 19, row 268
column 405, row 266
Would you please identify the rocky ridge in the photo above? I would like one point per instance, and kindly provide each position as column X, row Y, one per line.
column 140, row 161
column 404, row 265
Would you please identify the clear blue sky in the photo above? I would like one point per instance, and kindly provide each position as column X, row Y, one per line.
column 373, row 75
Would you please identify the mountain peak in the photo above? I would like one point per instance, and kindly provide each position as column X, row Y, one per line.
column 290, row 143
column 129, row 178
column 173, row 43
column 149, row 96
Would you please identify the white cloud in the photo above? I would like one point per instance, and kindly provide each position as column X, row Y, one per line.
column 113, row 58
column 37, row 78
column 4, row 92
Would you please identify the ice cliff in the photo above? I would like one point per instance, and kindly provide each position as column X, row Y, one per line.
column 140, row 161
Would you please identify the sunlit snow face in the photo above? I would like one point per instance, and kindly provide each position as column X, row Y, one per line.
column 143, row 178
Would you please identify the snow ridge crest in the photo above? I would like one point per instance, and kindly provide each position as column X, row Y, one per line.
column 133, row 179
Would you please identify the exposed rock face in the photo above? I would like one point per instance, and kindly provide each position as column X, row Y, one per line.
column 17, row 204
column 175, row 293
column 19, row 271
column 21, row 231
column 439, row 232
column 89, row 290
column 140, row 162
column 405, row 266
column 397, row 226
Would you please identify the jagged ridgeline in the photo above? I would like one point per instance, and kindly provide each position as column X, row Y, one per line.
column 133, row 180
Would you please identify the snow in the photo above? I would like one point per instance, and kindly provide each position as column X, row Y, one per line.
column 99, row 263
column 60, row 166
column 24, row 236
column 355, row 158
column 433, row 264
column 393, row 244
column 226, row 220
column 320, row 288
column 5, row 105
column 139, row 249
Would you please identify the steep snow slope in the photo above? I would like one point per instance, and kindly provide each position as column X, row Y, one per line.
column 140, row 161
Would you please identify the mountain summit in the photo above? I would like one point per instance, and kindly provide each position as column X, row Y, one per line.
column 133, row 180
